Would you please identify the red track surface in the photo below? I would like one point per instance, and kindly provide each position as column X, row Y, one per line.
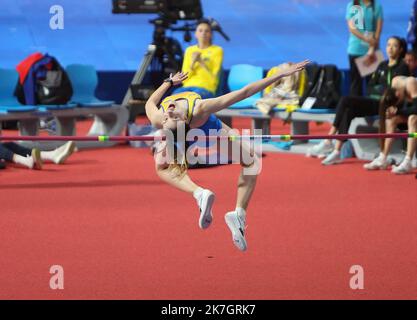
column 120, row 233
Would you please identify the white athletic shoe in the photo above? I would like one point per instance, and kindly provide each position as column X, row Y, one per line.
column 320, row 150
column 236, row 225
column 403, row 168
column 64, row 151
column 332, row 158
column 379, row 163
column 205, row 202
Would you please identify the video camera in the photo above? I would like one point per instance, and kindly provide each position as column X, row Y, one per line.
column 172, row 10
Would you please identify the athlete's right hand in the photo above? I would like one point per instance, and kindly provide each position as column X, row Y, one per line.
column 178, row 78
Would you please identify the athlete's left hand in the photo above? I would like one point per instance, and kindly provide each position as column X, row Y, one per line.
column 178, row 78
column 296, row 67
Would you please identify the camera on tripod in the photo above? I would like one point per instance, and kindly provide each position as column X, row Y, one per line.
column 168, row 52
column 170, row 9
column 165, row 54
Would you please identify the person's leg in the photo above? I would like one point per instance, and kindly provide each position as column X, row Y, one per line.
column 18, row 149
column 29, row 158
column 341, row 107
column 391, row 127
column 381, row 162
column 356, row 82
column 249, row 161
column 350, row 108
column 183, row 182
column 412, row 142
column 15, row 153
column 340, row 121
column 180, row 181
column 5, row 153
column 246, row 182
column 325, row 147
column 59, row 155
column 405, row 166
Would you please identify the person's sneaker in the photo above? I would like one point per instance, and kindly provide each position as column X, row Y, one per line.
column 403, row 168
column 332, row 158
column 379, row 163
column 236, row 225
column 205, row 202
column 36, row 157
column 320, row 150
column 63, row 152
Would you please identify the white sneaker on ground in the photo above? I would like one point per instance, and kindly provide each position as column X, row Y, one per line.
column 64, row 151
column 403, row 168
column 205, row 202
column 379, row 163
column 320, row 150
column 332, row 158
column 28, row 161
column 236, row 225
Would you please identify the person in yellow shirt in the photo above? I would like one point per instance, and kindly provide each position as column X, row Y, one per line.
column 203, row 63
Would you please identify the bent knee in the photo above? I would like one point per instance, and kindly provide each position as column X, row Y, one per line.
column 249, row 160
column 251, row 166
column 412, row 119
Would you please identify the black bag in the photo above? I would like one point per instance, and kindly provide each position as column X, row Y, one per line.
column 325, row 86
column 313, row 71
column 55, row 88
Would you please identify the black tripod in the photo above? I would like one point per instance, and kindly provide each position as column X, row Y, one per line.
column 164, row 56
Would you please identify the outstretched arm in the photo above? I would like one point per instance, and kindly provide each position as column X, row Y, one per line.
column 152, row 111
column 213, row 105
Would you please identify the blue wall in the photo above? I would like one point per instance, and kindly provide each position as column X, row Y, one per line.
column 263, row 32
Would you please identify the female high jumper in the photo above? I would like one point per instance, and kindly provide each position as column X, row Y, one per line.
column 188, row 110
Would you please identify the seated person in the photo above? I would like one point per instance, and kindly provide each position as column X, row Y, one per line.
column 411, row 61
column 398, row 106
column 351, row 107
column 203, row 63
column 286, row 92
column 33, row 158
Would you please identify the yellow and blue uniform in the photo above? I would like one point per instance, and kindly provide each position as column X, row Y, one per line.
column 212, row 123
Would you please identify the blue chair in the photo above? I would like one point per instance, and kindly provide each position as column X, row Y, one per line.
column 240, row 75
column 84, row 82
column 8, row 102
